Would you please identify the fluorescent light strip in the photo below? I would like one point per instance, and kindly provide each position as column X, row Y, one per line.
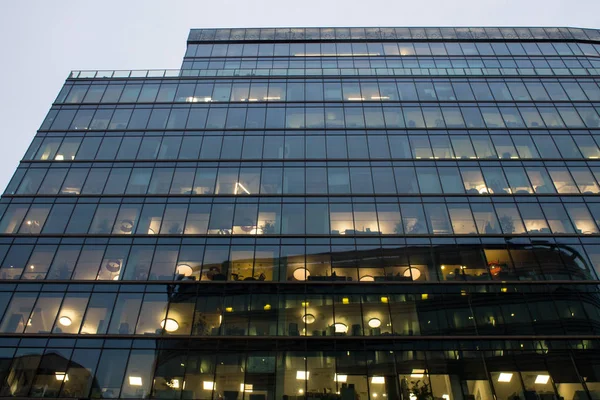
column 237, row 184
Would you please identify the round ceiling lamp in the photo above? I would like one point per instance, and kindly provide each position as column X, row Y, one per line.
column 113, row 266
column 367, row 278
column 308, row 319
column 184, row 269
column 301, row 274
column 340, row 328
column 413, row 273
column 374, row 323
column 65, row 321
column 126, row 226
column 169, row 325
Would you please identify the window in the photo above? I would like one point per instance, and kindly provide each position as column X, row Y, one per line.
column 174, row 219
column 437, row 219
column 509, row 218
column 517, row 180
column 562, row 180
column 413, row 219
column 44, row 313
column 535, row 223
column 540, row 180
column 584, row 180
column 38, row 264
column 16, row 317
column 581, row 218
column 462, row 220
column 557, row 218
column 428, row 180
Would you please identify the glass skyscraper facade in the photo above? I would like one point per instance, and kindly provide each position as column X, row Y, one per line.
column 314, row 213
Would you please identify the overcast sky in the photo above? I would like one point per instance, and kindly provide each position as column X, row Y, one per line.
column 42, row 41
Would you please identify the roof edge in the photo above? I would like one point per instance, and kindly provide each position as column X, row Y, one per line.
column 392, row 33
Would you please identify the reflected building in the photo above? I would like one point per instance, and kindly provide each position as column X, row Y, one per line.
column 314, row 213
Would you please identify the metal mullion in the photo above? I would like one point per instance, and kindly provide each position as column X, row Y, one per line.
column 125, row 370
column 137, row 321
column 26, row 321
column 59, row 310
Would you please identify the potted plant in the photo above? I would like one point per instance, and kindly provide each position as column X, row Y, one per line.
column 268, row 228
column 421, row 392
column 507, row 224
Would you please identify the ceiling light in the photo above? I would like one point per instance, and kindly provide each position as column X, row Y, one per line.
column 302, row 375
column 169, row 324
column 267, row 307
column 345, row 300
column 340, row 378
column 542, row 379
column 246, row 387
column 237, row 184
column 308, row 318
column 301, row 274
column 340, row 328
column 505, row 377
column 384, row 300
column 417, row 373
column 113, row 266
column 367, row 278
column 65, row 321
column 208, row 385
column 413, row 273
column 135, row 380
column 378, row 379
column 126, row 226
column 374, row 323
column 61, row 376
column 184, row 269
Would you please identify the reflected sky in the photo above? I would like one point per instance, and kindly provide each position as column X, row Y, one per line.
column 42, row 41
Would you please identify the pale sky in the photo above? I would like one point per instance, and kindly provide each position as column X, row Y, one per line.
column 41, row 41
